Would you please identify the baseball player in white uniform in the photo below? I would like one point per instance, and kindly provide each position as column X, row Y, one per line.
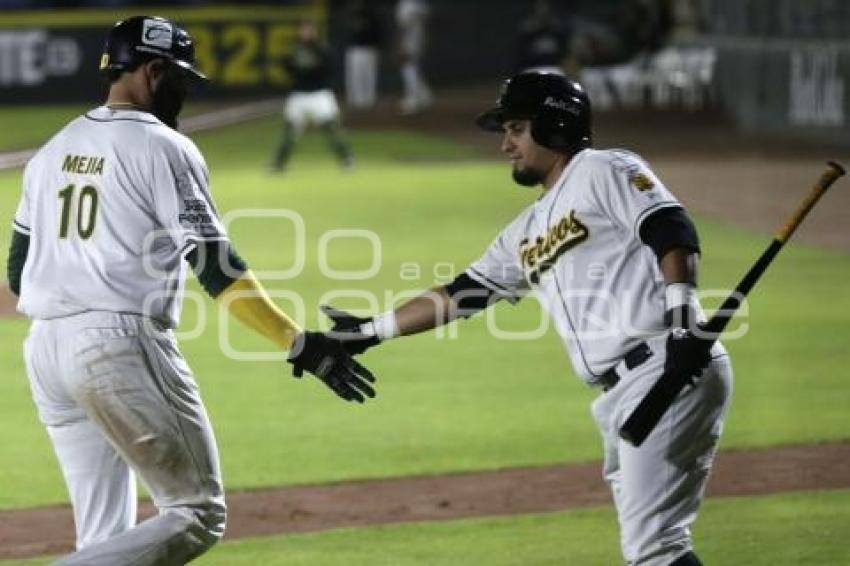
column 612, row 255
column 113, row 208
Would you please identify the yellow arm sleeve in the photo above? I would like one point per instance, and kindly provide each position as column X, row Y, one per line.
column 247, row 300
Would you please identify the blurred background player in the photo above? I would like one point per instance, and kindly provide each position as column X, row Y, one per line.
column 365, row 36
column 543, row 42
column 412, row 19
column 310, row 100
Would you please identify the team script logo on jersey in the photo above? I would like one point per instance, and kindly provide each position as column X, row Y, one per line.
column 538, row 257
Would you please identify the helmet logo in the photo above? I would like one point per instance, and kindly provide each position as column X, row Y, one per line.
column 157, row 33
column 553, row 102
column 104, row 60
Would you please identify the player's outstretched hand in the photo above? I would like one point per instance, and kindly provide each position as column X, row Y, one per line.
column 326, row 359
column 348, row 330
column 687, row 354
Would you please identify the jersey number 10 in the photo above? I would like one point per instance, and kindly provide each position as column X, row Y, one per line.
column 86, row 207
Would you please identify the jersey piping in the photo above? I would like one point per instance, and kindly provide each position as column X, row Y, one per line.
column 492, row 285
column 140, row 120
column 563, row 183
column 644, row 214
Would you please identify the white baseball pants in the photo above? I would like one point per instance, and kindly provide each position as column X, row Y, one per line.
column 117, row 397
column 658, row 487
column 304, row 108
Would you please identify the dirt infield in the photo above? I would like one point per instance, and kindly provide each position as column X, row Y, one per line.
column 49, row 530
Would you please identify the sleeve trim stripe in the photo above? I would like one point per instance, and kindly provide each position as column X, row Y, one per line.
column 17, row 226
column 490, row 284
column 188, row 247
column 194, row 239
column 646, row 212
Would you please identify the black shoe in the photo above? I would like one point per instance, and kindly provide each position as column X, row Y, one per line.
column 689, row 559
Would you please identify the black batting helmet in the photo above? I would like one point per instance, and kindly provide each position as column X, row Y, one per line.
column 142, row 38
column 558, row 108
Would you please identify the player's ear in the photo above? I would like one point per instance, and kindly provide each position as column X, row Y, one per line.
column 155, row 68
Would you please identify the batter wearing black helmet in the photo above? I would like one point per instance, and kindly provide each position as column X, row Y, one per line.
column 114, row 206
column 611, row 254
column 557, row 108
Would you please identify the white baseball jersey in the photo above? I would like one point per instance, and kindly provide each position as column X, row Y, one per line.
column 112, row 204
column 578, row 248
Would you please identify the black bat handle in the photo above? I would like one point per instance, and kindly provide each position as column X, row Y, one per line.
column 645, row 417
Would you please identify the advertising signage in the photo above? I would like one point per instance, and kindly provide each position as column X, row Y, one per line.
column 54, row 56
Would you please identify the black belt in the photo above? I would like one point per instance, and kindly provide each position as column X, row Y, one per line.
column 633, row 358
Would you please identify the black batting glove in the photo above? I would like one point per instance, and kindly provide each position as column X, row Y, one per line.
column 326, row 359
column 346, row 330
column 687, row 355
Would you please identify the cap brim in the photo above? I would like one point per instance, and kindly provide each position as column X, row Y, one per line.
column 491, row 120
column 190, row 69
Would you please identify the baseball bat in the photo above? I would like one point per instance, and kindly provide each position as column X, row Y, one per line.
column 652, row 407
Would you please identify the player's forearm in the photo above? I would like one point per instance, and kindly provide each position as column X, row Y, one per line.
column 679, row 265
column 429, row 310
column 672, row 236
column 461, row 298
column 247, row 300
column 433, row 308
column 679, row 268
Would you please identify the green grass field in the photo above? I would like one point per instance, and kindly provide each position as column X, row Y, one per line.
column 800, row 529
column 767, row 531
column 444, row 404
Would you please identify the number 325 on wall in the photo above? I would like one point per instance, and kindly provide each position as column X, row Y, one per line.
column 248, row 54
